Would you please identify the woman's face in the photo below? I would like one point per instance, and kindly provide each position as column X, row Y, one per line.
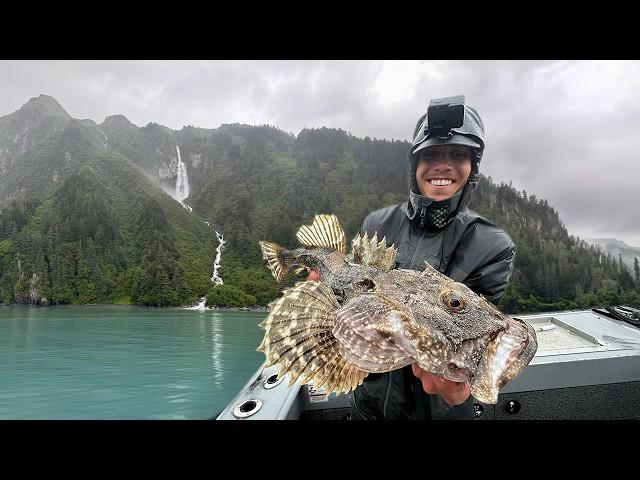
column 443, row 170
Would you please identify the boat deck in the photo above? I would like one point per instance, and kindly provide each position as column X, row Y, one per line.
column 587, row 366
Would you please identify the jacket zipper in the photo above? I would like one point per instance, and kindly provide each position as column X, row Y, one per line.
column 417, row 249
column 423, row 213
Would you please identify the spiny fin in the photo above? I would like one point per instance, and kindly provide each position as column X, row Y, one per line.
column 373, row 253
column 325, row 231
column 299, row 341
column 271, row 253
column 430, row 271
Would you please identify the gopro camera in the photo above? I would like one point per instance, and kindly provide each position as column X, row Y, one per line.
column 444, row 114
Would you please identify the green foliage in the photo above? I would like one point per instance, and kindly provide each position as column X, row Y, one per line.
column 106, row 235
column 228, row 296
column 257, row 189
column 15, row 216
column 553, row 270
column 95, row 229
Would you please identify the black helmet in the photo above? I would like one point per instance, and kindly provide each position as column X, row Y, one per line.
column 467, row 129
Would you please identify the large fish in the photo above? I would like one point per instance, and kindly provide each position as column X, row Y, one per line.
column 365, row 316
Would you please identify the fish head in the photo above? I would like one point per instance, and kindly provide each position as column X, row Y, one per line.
column 459, row 335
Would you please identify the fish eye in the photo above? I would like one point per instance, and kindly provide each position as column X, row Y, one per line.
column 453, row 301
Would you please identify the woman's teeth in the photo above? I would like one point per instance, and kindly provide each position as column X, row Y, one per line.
column 440, row 182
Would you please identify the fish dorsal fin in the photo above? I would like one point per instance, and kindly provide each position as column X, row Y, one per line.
column 325, row 231
column 373, row 252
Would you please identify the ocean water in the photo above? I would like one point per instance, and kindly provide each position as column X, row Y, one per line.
column 124, row 362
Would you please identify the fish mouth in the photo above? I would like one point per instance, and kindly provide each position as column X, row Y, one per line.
column 494, row 368
column 509, row 345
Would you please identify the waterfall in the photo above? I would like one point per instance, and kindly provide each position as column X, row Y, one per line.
column 200, row 306
column 215, row 278
column 182, row 181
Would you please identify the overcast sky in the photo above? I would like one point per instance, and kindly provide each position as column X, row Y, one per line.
column 567, row 131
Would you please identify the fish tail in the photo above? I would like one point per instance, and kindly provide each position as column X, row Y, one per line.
column 300, row 342
column 272, row 253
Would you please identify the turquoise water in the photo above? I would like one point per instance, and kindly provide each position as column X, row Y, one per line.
column 124, row 362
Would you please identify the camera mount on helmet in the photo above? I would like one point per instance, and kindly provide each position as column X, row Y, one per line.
column 449, row 121
column 443, row 115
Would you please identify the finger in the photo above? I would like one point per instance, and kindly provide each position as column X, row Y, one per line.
column 457, row 394
column 429, row 385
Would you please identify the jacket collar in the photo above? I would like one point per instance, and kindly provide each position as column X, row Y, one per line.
column 429, row 213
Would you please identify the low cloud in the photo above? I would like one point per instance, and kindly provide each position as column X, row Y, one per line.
column 562, row 130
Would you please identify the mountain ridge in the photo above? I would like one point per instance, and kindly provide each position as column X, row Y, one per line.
column 618, row 249
column 249, row 183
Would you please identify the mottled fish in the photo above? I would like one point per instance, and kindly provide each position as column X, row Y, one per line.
column 365, row 316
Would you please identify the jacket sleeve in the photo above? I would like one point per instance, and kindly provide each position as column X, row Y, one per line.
column 491, row 279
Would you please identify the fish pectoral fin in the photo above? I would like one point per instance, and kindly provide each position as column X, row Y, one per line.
column 299, row 341
column 372, row 252
column 325, row 231
column 371, row 331
column 391, row 323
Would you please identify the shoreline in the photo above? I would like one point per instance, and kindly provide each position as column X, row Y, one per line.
column 201, row 306
column 193, row 307
column 240, row 309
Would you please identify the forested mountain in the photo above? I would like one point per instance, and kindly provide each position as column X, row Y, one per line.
column 618, row 249
column 82, row 209
column 80, row 223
